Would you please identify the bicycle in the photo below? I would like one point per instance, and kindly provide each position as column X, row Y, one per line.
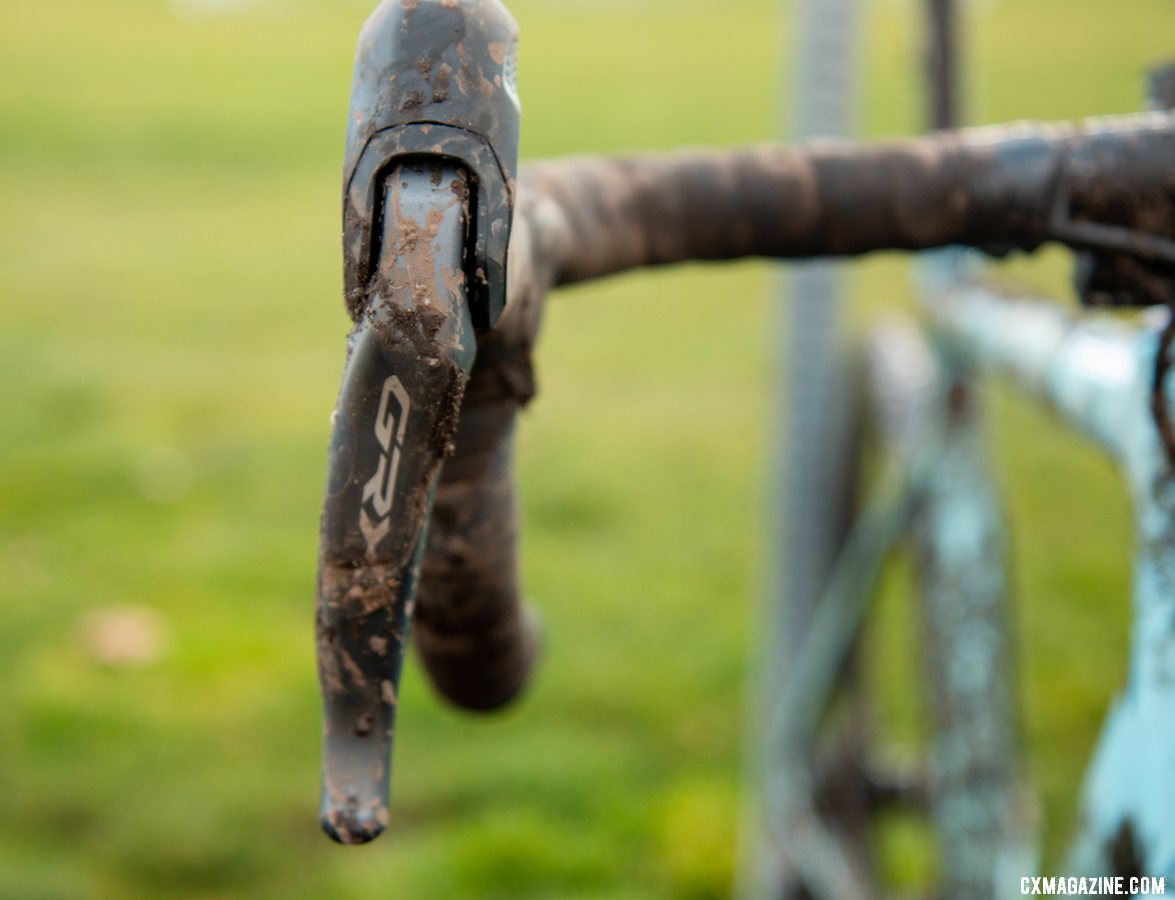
column 449, row 253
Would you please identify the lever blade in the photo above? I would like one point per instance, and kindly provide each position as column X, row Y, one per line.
column 395, row 421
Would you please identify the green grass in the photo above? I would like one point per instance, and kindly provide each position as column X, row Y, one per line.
column 170, row 278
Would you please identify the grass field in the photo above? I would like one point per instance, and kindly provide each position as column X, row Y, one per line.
column 170, row 346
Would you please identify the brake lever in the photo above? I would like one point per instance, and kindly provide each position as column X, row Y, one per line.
column 432, row 146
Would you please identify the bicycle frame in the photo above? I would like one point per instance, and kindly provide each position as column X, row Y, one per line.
column 1103, row 378
column 1100, row 376
column 449, row 259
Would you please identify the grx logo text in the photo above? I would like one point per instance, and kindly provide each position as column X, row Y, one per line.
column 390, row 422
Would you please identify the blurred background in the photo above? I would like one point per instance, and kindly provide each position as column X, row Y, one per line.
column 170, row 347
